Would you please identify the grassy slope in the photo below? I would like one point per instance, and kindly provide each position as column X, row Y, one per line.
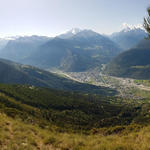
column 16, row 135
column 34, row 126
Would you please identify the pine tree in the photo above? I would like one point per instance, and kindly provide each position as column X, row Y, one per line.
column 147, row 22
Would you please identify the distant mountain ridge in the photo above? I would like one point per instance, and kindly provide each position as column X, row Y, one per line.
column 82, row 51
column 129, row 37
column 19, row 48
column 76, row 50
column 69, row 33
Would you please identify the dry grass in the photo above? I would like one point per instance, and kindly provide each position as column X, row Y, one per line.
column 15, row 135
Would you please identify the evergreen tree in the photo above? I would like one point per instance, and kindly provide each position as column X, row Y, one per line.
column 147, row 22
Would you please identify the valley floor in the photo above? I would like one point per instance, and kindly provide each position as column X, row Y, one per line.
column 124, row 86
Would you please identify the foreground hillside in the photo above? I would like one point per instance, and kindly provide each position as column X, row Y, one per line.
column 18, row 135
column 38, row 118
column 134, row 63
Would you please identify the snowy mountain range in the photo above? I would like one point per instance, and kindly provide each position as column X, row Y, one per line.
column 74, row 50
column 129, row 36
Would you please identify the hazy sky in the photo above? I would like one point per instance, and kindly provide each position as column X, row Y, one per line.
column 51, row 17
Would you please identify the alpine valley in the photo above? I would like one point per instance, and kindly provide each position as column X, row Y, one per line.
column 80, row 90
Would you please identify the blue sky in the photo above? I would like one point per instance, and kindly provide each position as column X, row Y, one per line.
column 51, row 17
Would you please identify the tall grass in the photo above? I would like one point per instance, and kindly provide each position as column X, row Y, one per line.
column 16, row 135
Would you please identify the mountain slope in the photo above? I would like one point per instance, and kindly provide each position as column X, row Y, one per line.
column 83, row 51
column 14, row 73
column 128, row 37
column 134, row 63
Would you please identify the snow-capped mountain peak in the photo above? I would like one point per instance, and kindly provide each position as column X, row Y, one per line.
column 69, row 33
column 75, row 30
column 127, row 27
